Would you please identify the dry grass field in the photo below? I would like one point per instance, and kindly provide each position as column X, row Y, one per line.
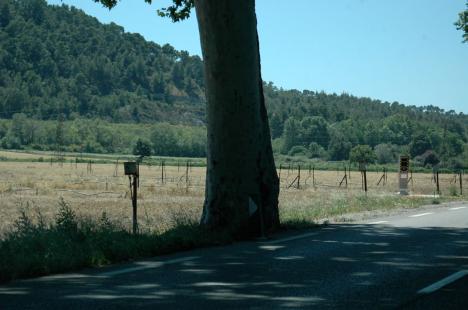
column 37, row 187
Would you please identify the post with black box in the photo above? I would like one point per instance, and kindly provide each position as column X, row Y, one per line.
column 131, row 169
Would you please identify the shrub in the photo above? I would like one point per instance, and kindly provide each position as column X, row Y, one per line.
column 317, row 151
column 298, row 150
column 453, row 191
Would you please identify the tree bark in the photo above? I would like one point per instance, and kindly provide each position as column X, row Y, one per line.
column 241, row 181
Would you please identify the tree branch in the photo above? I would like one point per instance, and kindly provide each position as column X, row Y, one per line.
column 180, row 9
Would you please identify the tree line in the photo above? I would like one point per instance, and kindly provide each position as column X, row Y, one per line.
column 57, row 62
column 329, row 126
column 100, row 136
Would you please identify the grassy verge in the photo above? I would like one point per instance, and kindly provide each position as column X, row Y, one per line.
column 34, row 248
column 303, row 213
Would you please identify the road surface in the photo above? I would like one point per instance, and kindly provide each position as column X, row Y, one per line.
column 414, row 260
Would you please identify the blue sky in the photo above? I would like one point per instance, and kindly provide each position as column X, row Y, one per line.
column 399, row 50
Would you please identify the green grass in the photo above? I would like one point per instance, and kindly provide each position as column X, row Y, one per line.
column 71, row 157
column 337, row 206
column 34, row 248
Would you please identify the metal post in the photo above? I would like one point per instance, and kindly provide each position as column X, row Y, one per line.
column 346, row 177
column 365, row 181
column 437, row 182
column 313, row 176
column 362, row 179
column 460, row 177
column 132, row 169
column 298, row 176
column 186, row 174
column 162, row 172
column 412, row 185
column 134, row 203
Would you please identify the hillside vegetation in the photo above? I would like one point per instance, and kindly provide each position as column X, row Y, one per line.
column 67, row 81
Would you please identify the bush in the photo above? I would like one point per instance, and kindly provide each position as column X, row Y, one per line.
column 317, row 151
column 428, row 159
column 142, row 148
column 453, row 191
column 298, row 150
column 455, row 164
column 11, row 142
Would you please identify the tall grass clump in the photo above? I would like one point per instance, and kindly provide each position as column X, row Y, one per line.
column 34, row 248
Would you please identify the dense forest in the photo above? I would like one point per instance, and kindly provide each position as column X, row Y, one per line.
column 68, row 81
column 57, row 60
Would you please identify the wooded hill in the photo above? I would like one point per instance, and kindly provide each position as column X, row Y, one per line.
column 57, row 62
column 60, row 60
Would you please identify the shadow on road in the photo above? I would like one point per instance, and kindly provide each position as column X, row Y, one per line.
column 339, row 266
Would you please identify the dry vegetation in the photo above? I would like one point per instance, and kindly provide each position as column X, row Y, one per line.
column 37, row 187
column 60, row 218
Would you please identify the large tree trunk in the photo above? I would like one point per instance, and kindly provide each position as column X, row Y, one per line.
column 241, row 180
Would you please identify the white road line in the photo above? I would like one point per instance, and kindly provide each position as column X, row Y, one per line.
column 421, row 214
column 444, row 282
column 290, row 238
column 146, row 265
column 378, row 222
column 457, row 208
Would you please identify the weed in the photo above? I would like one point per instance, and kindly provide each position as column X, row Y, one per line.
column 453, row 191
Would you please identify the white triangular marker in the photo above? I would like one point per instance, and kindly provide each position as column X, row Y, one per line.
column 252, row 207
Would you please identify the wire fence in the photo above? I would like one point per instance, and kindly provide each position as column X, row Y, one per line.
column 186, row 177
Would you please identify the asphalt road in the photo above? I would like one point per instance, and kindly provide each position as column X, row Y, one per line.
column 379, row 263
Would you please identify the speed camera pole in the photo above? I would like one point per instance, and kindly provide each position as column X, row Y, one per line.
column 403, row 175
